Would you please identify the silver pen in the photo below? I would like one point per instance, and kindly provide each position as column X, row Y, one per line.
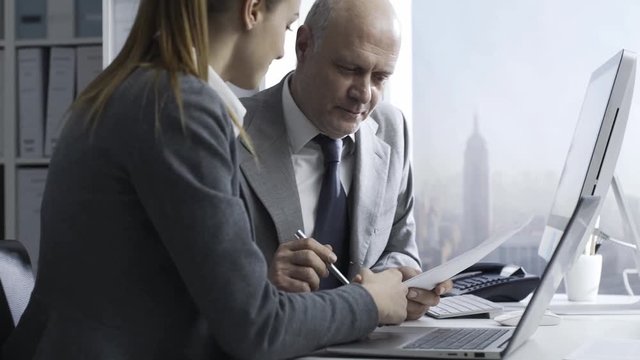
column 332, row 268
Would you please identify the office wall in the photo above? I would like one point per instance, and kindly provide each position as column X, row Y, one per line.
column 518, row 69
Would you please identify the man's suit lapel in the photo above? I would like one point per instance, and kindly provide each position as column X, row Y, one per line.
column 279, row 194
column 369, row 184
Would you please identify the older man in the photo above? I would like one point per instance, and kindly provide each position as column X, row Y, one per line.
column 330, row 160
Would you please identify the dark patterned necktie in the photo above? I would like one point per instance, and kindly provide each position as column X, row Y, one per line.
column 331, row 215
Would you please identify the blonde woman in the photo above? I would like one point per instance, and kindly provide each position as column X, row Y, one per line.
column 146, row 249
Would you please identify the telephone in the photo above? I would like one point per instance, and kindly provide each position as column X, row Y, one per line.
column 495, row 282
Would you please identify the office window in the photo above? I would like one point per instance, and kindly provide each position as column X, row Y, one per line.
column 497, row 87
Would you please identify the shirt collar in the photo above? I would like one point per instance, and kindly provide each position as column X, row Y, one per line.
column 230, row 100
column 299, row 128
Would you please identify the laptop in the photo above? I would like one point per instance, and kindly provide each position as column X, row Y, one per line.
column 483, row 342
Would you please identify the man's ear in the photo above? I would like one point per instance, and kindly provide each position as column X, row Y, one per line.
column 252, row 13
column 304, row 43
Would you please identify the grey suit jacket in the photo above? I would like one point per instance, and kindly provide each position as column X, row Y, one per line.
column 381, row 196
column 147, row 251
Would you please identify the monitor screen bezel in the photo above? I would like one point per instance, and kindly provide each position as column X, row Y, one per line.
column 606, row 149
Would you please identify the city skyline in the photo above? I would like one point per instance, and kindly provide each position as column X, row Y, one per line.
column 522, row 68
column 441, row 229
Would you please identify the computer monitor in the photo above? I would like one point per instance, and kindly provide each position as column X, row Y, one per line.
column 596, row 143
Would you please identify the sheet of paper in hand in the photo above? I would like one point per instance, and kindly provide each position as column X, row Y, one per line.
column 429, row 279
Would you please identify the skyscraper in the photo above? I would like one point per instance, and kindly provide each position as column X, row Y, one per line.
column 476, row 210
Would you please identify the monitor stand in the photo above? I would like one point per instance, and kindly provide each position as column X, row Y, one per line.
column 631, row 234
column 610, row 304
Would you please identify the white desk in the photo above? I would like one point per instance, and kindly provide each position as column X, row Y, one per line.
column 551, row 342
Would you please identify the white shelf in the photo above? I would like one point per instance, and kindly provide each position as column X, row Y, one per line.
column 11, row 161
column 34, row 161
column 54, row 42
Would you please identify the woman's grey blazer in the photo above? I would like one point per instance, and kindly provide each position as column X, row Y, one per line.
column 147, row 250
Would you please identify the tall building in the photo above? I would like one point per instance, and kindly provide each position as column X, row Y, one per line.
column 476, row 209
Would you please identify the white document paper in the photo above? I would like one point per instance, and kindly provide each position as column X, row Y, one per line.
column 429, row 279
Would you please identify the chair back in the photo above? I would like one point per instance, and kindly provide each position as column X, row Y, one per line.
column 16, row 280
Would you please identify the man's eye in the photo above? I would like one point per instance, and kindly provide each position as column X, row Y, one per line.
column 381, row 78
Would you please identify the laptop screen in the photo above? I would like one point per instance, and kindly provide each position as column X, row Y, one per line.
column 575, row 235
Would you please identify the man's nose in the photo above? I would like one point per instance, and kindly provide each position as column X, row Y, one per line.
column 360, row 90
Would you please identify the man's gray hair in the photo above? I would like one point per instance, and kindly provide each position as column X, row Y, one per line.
column 318, row 19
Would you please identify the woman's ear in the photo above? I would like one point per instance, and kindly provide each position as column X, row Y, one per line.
column 252, row 13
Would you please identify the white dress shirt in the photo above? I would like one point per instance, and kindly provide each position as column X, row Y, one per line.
column 307, row 158
column 231, row 101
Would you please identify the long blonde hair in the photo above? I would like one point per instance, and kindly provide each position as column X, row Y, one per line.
column 164, row 35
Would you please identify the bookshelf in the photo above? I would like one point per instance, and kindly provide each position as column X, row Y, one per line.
column 59, row 42
column 68, row 29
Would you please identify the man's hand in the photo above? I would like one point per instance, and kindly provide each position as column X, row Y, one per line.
column 298, row 265
column 419, row 300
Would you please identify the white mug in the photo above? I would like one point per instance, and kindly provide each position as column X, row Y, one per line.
column 583, row 279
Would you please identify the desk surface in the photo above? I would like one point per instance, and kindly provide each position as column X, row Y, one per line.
column 551, row 342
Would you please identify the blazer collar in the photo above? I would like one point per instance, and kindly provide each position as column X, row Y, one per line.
column 280, row 194
column 368, row 190
column 273, row 161
column 231, row 101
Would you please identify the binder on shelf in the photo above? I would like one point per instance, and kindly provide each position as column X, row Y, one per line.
column 2, row 21
column 88, row 65
column 60, row 19
column 31, row 19
column 2, row 224
column 30, row 185
column 2, row 86
column 31, row 101
column 60, row 94
column 88, row 18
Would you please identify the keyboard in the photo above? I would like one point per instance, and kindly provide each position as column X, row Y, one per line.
column 463, row 305
column 457, row 339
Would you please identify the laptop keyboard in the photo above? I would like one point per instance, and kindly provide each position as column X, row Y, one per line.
column 462, row 305
column 457, row 339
